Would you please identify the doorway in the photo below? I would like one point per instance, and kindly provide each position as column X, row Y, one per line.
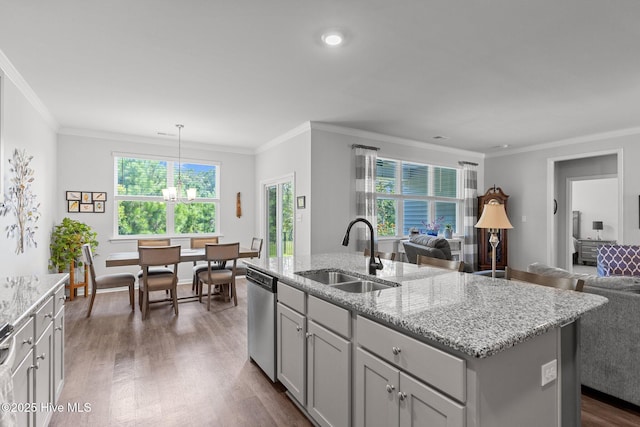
column 279, row 209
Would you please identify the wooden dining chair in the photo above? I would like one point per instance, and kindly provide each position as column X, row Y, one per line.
column 153, row 243
column 566, row 283
column 153, row 256
column 256, row 245
column 453, row 265
column 383, row 255
column 214, row 255
column 199, row 243
column 105, row 281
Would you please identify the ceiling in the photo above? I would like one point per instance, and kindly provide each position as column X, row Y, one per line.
column 243, row 72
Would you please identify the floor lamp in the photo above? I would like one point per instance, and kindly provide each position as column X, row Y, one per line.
column 493, row 218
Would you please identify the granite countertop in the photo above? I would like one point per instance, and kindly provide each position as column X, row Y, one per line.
column 20, row 295
column 476, row 315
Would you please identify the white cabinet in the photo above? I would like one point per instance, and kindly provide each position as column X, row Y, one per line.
column 22, row 377
column 43, row 356
column 291, row 351
column 328, row 376
column 58, row 350
column 386, row 392
column 314, row 355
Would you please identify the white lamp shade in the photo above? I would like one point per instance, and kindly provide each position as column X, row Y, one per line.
column 191, row 193
column 494, row 216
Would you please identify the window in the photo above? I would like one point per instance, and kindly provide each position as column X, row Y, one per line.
column 413, row 195
column 140, row 209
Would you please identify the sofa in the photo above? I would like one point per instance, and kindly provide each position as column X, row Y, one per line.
column 610, row 336
column 424, row 244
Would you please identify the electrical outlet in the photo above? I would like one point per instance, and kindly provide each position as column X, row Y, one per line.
column 549, row 372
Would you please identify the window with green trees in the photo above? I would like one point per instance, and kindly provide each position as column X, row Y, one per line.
column 413, row 195
column 140, row 208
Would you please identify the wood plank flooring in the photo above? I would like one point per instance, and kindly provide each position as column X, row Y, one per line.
column 193, row 370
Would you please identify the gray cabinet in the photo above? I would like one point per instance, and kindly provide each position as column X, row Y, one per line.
column 22, row 377
column 328, row 376
column 291, row 351
column 58, row 349
column 588, row 250
column 43, row 367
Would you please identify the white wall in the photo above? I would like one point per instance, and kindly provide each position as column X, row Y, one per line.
column 597, row 200
column 25, row 128
column 523, row 176
column 85, row 163
column 291, row 155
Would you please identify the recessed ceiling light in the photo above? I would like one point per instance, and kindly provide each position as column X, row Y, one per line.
column 333, row 38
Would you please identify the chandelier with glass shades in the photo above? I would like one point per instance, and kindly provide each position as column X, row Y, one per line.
column 175, row 194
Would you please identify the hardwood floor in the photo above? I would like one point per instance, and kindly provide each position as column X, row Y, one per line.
column 185, row 370
column 193, row 370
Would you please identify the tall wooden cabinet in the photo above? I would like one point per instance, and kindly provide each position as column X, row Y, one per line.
column 484, row 247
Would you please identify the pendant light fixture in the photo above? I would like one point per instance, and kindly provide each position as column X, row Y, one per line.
column 175, row 194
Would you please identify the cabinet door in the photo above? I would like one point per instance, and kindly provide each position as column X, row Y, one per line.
column 291, row 351
column 328, row 376
column 58, row 354
column 43, row 352
column 420, row 405
column 23, row 388
column 376, row 392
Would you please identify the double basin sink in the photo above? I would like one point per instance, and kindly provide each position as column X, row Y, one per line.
column 344, row 281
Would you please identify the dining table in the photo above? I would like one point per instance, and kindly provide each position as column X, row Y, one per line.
column 121, row 259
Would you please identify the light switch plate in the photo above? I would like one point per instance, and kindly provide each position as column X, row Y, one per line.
column 549, row 372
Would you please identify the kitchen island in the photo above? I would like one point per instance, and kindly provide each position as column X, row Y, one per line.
column 468, row 349
column 33, row 306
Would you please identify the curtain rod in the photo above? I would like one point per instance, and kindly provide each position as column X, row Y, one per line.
column 367, row 147
column 463, row 162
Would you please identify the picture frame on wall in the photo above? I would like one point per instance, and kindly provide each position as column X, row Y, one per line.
column 98, row 207
column 74, row 195
column 73, row 205
column 86, row 207
column 86, row 198
column 99, row 196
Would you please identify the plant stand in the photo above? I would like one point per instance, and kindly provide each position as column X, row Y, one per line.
column 72, row 286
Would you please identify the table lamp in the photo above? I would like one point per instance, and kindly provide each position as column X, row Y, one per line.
column 493, row 218
column 597, row 225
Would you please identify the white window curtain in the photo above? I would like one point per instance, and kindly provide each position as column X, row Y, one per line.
column 470, row 180
column 365, row 184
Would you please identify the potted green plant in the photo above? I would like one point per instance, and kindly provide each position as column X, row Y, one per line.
column 448, row 231
column 67, row 239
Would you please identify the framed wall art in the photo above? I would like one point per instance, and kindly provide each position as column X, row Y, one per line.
column 86, row 201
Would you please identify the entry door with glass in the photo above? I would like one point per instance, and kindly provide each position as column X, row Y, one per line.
column 279, row 221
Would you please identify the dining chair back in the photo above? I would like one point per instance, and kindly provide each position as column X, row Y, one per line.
column 383, row 255
column 566, row 283
column 199, row 243
column 215, row 255
column 256, row 245
column 453, row 265
column 154, row 242
column 105, row 281
column 153, row 256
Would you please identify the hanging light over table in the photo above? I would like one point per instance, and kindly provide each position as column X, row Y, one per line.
column 175, row 194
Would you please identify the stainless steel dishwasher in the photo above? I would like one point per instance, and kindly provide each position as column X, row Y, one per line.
column 261, row 324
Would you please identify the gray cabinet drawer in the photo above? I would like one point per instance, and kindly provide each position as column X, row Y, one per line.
column 24, row 341
column 429, row 364
column 43, row 317
column 291, row 297
column 330, row 316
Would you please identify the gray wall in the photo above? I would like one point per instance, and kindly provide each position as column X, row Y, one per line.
column 25, row 128
column 523, row 175
column 85, row 163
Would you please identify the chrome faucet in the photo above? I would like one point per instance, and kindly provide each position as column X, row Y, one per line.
column 373, row 264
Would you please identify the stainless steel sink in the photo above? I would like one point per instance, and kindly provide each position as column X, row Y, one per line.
column 328, row 277
column 361, row 286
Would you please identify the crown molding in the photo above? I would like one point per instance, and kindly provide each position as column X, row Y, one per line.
column 298, row 130
column 570, row 141
column 164, row 141
column 393, row 139
column 11, row 73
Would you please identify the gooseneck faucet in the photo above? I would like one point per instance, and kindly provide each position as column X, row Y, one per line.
column 373, row 264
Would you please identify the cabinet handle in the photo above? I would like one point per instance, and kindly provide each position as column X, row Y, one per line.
column 28, row 341
column 396, row 350
column 390, row 388
column 36, row 366
column 308, row 335
column 41, row 357
column 402, row 395
column 58, row 328
column 49, row 315
column 298, row 328
column 62, row 298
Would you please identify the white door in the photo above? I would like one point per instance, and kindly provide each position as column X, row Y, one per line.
column 279, row 217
